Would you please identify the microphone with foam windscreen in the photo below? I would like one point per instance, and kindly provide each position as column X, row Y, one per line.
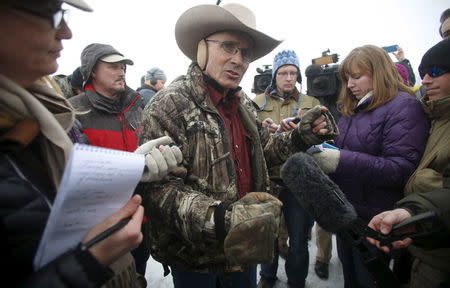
column 317, row 193
column 326, row 203
column 329, row 207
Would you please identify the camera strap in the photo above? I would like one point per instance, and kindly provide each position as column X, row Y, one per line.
column 299, row 101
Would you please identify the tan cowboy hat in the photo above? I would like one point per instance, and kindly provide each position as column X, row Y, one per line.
column 201, row 21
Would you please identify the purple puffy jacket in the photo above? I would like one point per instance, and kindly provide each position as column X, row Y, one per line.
column 380, row 149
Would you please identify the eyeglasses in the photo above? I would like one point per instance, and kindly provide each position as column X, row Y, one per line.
column 56, row 18
column 433, row 71
column 285, row 74
column 232, row 48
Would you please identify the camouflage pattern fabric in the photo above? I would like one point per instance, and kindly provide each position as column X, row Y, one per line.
column 180, row 209
column 305, row 126
column 254, row 221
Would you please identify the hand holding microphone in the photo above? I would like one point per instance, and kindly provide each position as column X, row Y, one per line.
column 317, row 194
column 323, row 200
column 384, row 223
column 327, row 159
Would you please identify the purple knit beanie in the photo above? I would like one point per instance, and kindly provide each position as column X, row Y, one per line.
column 403, row 71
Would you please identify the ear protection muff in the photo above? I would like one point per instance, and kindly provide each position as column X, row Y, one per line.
column 202, row 54
column 299, row 77
column 153, row 81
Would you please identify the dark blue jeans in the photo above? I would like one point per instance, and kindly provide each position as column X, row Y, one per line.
column 298, row 223
column 141, row 255
column 356, row 274
column 246, row 279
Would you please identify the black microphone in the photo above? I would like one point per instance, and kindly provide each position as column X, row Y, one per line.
column 317, row 193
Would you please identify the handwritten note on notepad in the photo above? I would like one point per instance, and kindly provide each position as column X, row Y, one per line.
column 96, row 183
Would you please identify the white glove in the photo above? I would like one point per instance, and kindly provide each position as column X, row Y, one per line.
column 327, row 160
column 155, row 143
column 160, row 159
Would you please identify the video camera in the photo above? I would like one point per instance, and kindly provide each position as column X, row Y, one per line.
column 323, row 79
column 262, row 79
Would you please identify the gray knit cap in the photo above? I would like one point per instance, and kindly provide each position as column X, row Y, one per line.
column 155, row 74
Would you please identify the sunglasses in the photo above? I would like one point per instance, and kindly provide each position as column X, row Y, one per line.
column 232, row 48
column 433, row 71
column 56, row 18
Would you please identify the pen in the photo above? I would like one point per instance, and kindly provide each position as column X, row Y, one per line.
column 108, row 232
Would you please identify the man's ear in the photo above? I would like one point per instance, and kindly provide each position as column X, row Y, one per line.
column 93, row 72
column 202, row 54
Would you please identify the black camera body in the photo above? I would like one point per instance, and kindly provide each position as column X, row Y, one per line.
column 323, row 81
column 262, row 80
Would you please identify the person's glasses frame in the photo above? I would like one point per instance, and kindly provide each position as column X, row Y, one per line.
column 284, row 74
column 57, row 18
column 232, row 48
column 433, row 71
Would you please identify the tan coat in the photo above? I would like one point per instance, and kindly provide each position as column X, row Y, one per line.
column 272, row 106
column 428, row 175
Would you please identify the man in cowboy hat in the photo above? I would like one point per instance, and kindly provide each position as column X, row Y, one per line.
column 209, row 227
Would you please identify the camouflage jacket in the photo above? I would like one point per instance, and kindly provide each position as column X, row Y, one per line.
column 177, row 233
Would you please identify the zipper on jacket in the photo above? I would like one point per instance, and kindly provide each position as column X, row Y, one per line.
column 121, row 116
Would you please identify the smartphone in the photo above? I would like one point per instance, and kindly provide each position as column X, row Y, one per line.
column 328, row 145
column 294, row 120
column 390, row 49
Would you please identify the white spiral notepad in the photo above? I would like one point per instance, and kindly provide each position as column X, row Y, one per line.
column 96, row 183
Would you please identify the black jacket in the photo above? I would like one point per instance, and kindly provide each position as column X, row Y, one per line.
column 25, row 199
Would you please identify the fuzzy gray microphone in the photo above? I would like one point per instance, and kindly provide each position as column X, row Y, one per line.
column 317, row 193
column 323, row 199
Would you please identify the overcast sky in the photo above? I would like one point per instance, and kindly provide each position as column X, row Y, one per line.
column 143, row 30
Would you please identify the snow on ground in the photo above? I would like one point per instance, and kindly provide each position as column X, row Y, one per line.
column 156, row 279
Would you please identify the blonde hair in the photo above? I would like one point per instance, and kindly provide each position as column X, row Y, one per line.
column 386, row 81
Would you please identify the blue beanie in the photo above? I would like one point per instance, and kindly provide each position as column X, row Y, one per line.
column 285, row 57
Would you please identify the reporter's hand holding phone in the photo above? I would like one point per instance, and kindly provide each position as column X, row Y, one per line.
column 400, row 54
column 272, row 126
column 122, row 241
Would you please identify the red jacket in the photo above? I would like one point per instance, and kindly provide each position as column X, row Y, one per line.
column 110, row 123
